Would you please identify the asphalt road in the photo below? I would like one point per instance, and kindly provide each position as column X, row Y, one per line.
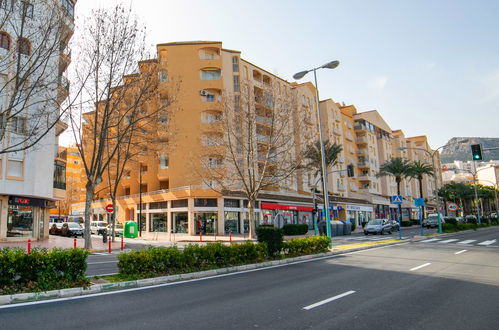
column 406, row 286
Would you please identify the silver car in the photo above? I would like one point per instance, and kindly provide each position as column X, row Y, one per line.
column 378, row 226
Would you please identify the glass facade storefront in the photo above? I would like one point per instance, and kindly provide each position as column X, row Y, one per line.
column 305, row 217
column 142, row 222
column 205, row 222
column 179, row 222
column 359, row 214
column 20, row 221
column 157, row 222
column 231, row 222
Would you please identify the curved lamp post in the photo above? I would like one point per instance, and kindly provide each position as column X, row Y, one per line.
column 297, row 76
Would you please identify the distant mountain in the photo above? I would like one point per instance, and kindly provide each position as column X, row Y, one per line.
column 454, row 150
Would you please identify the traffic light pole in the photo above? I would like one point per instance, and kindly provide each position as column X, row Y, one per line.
column 476, row 193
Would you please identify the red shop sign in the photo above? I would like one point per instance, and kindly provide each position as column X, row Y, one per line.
column 272, row 206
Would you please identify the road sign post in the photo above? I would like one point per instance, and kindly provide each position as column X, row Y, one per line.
column 420, row 202
column 398, row 199
column 109, row 208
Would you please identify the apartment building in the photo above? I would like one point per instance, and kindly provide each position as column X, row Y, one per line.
column 215, row 82
column 33, row 41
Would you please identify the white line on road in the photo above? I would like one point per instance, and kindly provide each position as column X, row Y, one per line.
column 468, row 241
column 459, row 252
column 421, row 266
column 431, row 240
column 449, row 240
column 317, row 304
column 487, row 242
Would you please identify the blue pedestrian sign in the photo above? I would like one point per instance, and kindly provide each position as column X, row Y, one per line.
column 396, row 199
column 419, row 201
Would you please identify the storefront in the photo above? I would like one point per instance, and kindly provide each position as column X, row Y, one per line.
column 180, row 222
column 232, row 220
column 26, row 217
column 280, row 214
column 359, row 214
column 157, row 222
column 205, row 222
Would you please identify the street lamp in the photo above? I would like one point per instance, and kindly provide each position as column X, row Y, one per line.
column 297, row 76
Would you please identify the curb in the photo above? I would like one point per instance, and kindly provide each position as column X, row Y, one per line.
column 106, row 287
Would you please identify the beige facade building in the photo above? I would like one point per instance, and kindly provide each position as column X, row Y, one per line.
column 216, row 82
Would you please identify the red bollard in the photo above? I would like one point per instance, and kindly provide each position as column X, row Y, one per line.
column 109, row 246
column 122, row 244
column 201, row 236
column 74, row 243
column 29, row 246
column 230, row 237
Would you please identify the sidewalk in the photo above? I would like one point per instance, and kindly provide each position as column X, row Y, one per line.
column 64, row 243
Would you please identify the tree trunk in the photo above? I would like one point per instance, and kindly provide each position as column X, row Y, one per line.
column 251, row 219
column 420, row 179
column 88, row 212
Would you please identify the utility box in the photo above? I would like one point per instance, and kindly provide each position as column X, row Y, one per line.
column 131, row 229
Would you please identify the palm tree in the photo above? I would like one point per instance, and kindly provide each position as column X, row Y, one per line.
column 417, row 170
column 313, row 156
column 397, row 167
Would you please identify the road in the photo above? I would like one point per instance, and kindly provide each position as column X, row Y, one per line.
column 414, row 285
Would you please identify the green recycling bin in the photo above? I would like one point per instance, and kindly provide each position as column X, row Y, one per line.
column 131, row 229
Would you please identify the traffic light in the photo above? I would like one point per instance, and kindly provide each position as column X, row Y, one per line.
column 476, row 151
column 350, row 171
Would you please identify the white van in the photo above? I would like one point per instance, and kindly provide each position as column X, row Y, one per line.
column 98, row 227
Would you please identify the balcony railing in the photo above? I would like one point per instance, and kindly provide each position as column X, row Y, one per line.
column 264, row 120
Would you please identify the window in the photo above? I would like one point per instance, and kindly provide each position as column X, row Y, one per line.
column 231, row 203
column 143, row 168
column 27, row 9
column 143, row 188
column 69, row 7
column 163, row 75
column 163, row 162
column 15, row 168
column 205, row 202
column 127, row 191
column 179, row 203
column 158, row 205
column 163, row 118
column 210, row 98
column 235, row 64
column 164, row 184
column 214, row 162
column 210, row 74
column 6, row 4
column 237, row 103
column 4, row 40
column 236, row 83
column 59, row 175
column 18, row 125
column 23, row 46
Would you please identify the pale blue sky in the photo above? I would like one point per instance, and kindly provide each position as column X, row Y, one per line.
column 429, row 67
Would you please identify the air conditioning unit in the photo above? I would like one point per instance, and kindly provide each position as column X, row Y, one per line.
column 203, row 92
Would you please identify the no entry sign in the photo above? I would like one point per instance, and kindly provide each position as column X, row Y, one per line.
column 109, row 208
column 452, row 207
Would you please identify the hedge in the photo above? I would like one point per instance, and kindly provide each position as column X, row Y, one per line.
column 295, row 229
column 41, row 270
column 161, row 261
column 406, row 223
column 271, row 236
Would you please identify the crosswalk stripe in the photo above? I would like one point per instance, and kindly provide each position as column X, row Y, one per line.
column 448, row 241
column 468, row 241
column 487, row 242
column 431, row 240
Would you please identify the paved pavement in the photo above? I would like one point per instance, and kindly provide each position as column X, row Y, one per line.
column 406, row 286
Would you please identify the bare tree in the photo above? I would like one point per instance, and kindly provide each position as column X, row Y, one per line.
column 119, row 92
column 33, row 58
column 258, row 148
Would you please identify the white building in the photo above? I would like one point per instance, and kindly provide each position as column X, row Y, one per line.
column 33, row 58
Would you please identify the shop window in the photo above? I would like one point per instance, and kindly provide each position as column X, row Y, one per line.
column 231, row 222
column 180, row 222
column 4, row 39
column 205, row 202
column 20, row 221
column 179, row 203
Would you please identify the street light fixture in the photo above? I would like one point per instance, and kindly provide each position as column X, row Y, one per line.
column 297, row 76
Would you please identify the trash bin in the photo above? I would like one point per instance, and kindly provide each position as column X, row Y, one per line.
column 347, row 228
column 130, row 229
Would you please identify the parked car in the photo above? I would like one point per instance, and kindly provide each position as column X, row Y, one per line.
column 395, row 225
column 98, row 227
column 118, row 229
column 71, row 229
column 378, row 226
column 55, row 229
column 432, row 220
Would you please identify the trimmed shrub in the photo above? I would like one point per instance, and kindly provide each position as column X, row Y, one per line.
column 295, row 229
column 271, row 236
column 406, row 223
column 449, row 228
column 42, row 270
column 415, row 222
column 307, row 245
column 451, row 221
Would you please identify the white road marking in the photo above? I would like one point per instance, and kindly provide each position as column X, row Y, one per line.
column 317, row 304
column 448, row 241
column 421, row 266
column 459, row 252
column 431, row 240
column 468, row 241
column 487, row 242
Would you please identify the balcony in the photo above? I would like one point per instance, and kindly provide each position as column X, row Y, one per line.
column 364, row 163
column 359, row 127
column 349, row 136
column 263, row 120
column 366, row 177
column 362, row 140
column 262, row 138
column 353, row 186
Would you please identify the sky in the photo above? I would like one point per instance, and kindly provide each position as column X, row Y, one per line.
column 430, row 67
